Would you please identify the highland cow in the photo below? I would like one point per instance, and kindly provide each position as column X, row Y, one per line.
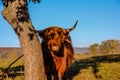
column 57, row 51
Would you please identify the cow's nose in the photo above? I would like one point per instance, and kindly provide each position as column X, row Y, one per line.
column 55, row 47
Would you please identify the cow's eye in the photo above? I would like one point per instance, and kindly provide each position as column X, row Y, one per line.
column 59, row 33
column 52, row 35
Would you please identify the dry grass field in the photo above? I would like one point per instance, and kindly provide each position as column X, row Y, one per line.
column 84, row 67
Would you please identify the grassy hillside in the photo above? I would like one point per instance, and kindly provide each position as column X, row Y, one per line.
column 84, row 67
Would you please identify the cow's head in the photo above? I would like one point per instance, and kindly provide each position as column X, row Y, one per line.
column 54, row 37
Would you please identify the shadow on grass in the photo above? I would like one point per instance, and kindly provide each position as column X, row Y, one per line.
column 91, row 62
column 75, row 68
column 11, row 72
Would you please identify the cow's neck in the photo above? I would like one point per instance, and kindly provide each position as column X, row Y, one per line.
column 61, row 60
column 60, row 53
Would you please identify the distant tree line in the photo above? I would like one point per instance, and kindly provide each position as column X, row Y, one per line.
column 106, row 47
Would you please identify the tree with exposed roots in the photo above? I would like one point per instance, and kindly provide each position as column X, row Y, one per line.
column 16, row 14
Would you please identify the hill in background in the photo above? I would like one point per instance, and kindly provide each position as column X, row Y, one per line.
column 6, row 50
column 83, row 50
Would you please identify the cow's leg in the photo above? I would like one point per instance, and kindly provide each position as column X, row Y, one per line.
column 60, row 75
column 49, row 76
column 64, row 76
column 56, row 76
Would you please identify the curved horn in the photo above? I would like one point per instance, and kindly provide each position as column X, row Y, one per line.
column 73, row 26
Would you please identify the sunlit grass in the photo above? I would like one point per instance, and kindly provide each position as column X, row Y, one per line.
column 95, row 67
column 84, row 67
column 9, row 58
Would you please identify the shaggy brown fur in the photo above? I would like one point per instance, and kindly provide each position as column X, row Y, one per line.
column 57, row 51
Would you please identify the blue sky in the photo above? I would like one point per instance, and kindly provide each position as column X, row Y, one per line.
column 99, row 20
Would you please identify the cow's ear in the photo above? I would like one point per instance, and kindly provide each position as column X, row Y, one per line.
column 66, row 32
column 40, row 33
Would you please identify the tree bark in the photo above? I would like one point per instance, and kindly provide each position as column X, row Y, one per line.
column 16, row 13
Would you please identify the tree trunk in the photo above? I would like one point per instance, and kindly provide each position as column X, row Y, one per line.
column 16, row 13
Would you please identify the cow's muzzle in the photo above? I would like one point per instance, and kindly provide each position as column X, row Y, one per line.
column 55, row 48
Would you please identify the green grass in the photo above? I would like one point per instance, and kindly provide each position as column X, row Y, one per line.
column 95, row 67
column 84, row 67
